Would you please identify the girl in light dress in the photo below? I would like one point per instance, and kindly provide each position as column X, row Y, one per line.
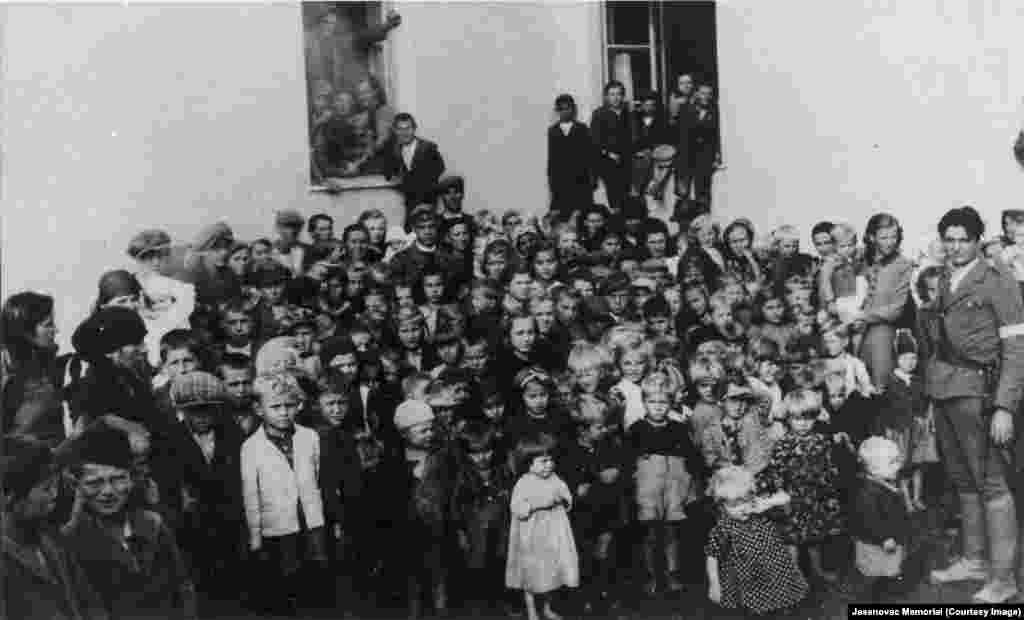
column 542, row 554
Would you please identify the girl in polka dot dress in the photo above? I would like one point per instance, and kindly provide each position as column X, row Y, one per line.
column 749, row 567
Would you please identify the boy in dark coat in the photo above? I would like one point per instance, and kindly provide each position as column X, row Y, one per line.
column 41, row 578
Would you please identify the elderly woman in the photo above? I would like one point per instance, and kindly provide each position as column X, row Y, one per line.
column 31, row 401
column 888, row 274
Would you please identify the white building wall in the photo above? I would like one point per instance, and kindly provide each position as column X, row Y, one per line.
column 842, row 109
column 122, row 117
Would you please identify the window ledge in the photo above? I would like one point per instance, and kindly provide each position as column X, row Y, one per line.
column 339, row 184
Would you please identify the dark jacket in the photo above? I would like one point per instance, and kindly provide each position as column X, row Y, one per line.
column 56, row 590
column 148, row 580
column 217, row 485
column 879, row 513
column 612, row 132
column 649, row 136
column 407, row 266
column 417, row 182
column 570, row 158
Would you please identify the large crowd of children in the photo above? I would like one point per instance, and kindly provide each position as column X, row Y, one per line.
column 483, row 404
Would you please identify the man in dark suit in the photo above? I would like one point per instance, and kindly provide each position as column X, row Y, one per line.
column 414, row 161
column 570, row 161
column 612, row 134
column 976, row 378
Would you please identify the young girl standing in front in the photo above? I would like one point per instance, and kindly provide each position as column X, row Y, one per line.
column 801, row 465
column 541, row 551
column 748, row 566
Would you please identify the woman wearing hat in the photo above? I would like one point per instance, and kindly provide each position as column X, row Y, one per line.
column 129, row 554
column 41, row 578
column 107, row 386
column 165, row 303
column 29, row 396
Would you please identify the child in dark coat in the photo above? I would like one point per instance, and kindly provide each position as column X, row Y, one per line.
column 880, row 524
column 480, row 500
column 596, row 468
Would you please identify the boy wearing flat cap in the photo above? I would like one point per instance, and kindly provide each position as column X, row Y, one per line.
column 129, row 554
column 208, row 445
column 42, row 579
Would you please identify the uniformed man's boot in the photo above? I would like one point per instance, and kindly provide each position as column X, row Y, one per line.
column 971, row 565
column 1001, row 515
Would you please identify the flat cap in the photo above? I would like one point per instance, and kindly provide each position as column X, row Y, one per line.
column 195, row 389
column 411, row 413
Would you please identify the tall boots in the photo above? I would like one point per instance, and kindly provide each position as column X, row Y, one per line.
column 971, row 565
column 670, row 553
column 1001, row 516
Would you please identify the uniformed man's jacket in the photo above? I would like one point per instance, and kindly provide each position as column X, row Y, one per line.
column 982, row 325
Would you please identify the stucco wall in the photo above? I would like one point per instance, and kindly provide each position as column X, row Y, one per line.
column 122, row 117
column 841, row 109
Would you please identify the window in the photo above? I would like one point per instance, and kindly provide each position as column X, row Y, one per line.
column 349, row 117
column 650, row 44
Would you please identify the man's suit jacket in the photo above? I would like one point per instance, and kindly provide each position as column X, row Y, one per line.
column 419, row 179
column 612, row 133
column 649, row 136
column 570, row 157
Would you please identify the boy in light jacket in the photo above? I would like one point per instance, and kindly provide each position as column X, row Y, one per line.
column 283, row 504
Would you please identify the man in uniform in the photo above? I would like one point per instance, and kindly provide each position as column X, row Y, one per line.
column 976, row 377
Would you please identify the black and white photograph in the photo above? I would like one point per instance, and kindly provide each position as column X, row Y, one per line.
column 538, row 310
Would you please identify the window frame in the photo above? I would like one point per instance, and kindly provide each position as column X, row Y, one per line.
column 380, row 66
column 655, row 45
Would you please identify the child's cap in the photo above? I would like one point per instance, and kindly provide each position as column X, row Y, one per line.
column 904, row 342
column 101, row 445
column 147, row 242
column 411, row 413
column 874, row 449
column 735, row 391
column 196, row 389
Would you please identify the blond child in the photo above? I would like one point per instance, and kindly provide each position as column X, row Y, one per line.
column 748, row 565
column 280, row 466
column 667, row 469
column 880, row 523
